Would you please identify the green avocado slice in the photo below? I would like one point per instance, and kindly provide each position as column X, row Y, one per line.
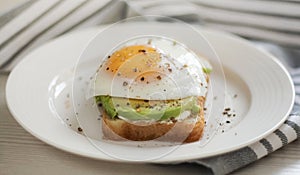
column 136, row 109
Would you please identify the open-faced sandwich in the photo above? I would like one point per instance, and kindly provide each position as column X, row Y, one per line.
column 152, row 88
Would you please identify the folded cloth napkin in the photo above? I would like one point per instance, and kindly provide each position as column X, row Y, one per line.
column 33, row 23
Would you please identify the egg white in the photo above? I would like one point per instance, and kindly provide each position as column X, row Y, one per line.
column 185, row 79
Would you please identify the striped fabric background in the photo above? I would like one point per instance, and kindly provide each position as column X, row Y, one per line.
column 229, row 162
column 35, row 22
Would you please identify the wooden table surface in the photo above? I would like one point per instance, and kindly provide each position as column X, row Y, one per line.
column 22, row 154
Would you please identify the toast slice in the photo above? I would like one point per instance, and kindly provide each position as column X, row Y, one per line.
column 185, row 130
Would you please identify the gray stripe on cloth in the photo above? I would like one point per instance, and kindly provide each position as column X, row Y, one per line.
column 294, row 126
column 6, row 17
column 28, row 24
column 267, row 145
column 101, row 10
column 210, row 14
column 101, row 15
column 40, row 33
column 281, row 38
column 273, row 8
column 296, row 107
column 278, row 29
column 5, row 57
column 282, row 137
column 297, row 90
column 229, row 162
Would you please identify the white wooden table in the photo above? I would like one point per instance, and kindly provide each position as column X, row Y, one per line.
column 22, row 154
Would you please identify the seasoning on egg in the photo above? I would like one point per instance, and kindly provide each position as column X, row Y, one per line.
column 142, row 50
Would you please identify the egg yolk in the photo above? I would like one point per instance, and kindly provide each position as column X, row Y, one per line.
column 137, row 62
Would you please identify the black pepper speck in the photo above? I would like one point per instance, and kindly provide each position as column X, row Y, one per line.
column 227, row 109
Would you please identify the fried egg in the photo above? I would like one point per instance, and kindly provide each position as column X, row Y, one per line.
column 151, row 68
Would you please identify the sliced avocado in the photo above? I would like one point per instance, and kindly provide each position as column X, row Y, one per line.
column 206, row 70
column 106, row 103
column 136, row 109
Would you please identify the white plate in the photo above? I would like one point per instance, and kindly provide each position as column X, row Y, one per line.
column 40, row 87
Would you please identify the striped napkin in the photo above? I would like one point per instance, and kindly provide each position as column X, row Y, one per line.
column 34, row 22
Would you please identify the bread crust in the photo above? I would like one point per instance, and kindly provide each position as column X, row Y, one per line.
column 187, row 130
